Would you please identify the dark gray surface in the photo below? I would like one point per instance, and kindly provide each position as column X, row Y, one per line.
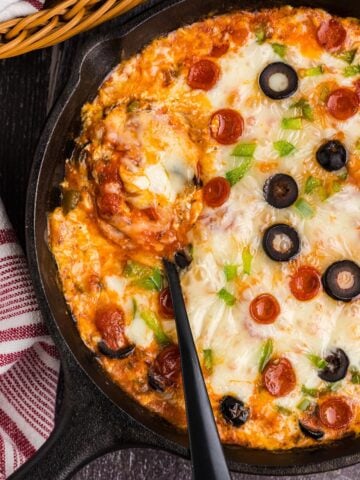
column 28, row 87
column 146, row 464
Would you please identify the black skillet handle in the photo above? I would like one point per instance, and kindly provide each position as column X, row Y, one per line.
column 87, row 425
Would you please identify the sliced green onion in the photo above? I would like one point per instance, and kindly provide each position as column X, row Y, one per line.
column 283, row 410
column 317, row 361
column 307, row 112
column 355, row 375
column 230, row 272
column 144, row 276
column 153, row 283
column 323, row 193
column 265, row 354
column 247, row 260
column 227, row 297
column 351, row 70
column 313, row 71
column 190, row 249
column 304, row 404
column 283, row 148
column 305, row 109
column 135, row 269
column 332, row 387
column 134, row 307
column 294, row 123
column 157, row 279
column 304, row 208
column 154, row 324
column 335, row 187
column 325, row 91
column 347, row 56
column 70, row 199
column 244, row 150
column 260, row 34
column 208, row 359
column 312, row 392
column 235, row 175
column 132, row 106
column 312, row 184
column 279, row 49
column 343, row 175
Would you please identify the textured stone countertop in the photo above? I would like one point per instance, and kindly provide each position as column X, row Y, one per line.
column 146, row 464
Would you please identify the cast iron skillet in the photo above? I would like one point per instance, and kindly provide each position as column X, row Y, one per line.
column 91, row 423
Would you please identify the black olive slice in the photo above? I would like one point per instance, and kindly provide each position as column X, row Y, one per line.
column 183, row 258
column 337, row 366
column 278, row 80
column 156, row 382
column 280, row 190
column 341, row 280
column 234, row 411
column 281, row 242
column 309, row 432
column 332, row 155
column 121, row 353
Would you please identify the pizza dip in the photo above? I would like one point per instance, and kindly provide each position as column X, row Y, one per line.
column 231, row 146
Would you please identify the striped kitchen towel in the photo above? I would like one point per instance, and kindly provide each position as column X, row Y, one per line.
column 18, row 8
column 29, row 362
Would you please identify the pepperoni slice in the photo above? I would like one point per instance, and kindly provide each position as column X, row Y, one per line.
column 305, row 283
column 110, row 321
column 342, row 103
column 335, row 413
column 108, row 204
column 165, row 303
column 279, row 377
column 264, row 308
column 109, row 173
column 216, row 192
column 203, row 74
column 219, row 49
column 167, row 366
column 331, row 35
column 226, row 126
column 238, row 34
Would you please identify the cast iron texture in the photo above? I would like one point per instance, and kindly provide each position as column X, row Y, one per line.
column 89, row 424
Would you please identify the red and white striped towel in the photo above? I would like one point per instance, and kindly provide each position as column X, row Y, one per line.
column 18, row 8
column 29, row 362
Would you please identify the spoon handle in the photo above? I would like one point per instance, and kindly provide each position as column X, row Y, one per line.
column 207, row 455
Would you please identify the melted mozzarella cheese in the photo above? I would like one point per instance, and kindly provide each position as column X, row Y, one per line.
column 238, row 88
column 170, row 157
column 139, row 333
column 116, row 284
column 132, row 304
column 315, row 326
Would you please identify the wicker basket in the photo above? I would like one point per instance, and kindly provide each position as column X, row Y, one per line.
column 56, row 24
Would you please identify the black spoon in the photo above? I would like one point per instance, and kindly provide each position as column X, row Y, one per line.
column 207, row 455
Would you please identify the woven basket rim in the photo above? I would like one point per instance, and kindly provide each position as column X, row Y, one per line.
column 63, row 20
